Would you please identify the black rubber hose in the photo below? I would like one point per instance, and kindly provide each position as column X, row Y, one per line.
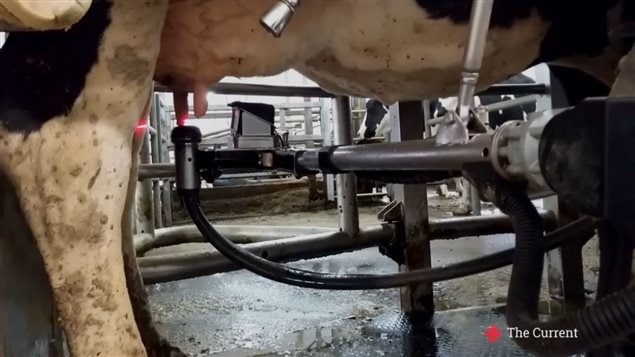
column 601, row 323
column 616, row 255
column 284, row 274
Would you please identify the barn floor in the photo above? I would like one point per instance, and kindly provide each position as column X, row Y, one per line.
column 241, row 314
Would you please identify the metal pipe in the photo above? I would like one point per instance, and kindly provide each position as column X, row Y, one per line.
column 317, row 92
column 412, row 155
column 483, row 225
column 346, row 186
column 427, row 115
column 157, row 171
column 475, row 200
column 151, row 171
column 217, row 132
column 144, row 208
column 260, row 90
column 372, row 194
column 240, row 234
column 473, row 55
column 502, row 105
column 515, row 89
column 440, row 228
column 156, row 158
column 159, row 269
column 165, row 268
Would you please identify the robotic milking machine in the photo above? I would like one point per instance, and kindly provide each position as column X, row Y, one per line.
column 582, row 154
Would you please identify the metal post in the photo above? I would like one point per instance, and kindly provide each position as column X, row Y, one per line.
column 427, row 115
column 308, row 131
column 143, row 205
column 345, row 183
column 166, row 194
column 327, row 140
column 164, row 128
column 160, row 123
column 406, row 125
column 475, row 200
column 156, row 158
column 283, row 119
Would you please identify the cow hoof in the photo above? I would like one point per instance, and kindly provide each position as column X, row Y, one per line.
column 442, row 190
column 461, row 211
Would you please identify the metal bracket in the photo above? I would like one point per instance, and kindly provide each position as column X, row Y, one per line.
column 394, row 249
column 391, row 212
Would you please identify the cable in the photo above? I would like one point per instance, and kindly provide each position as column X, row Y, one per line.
column 606, row 321
column 284, row 274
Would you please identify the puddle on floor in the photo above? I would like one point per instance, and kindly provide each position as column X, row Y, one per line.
column 392, row 334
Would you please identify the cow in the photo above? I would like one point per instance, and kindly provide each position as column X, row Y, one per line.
column 376, row 121
column 70, row 101
column 74, row 88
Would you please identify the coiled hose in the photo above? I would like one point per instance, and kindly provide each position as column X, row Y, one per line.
column 606, row 321
column 284, row 274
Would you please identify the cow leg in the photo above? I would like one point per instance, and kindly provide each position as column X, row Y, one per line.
column 71, row 175
column 74, row 204
column 155, row 345
column 464, row 207
column 459, row 185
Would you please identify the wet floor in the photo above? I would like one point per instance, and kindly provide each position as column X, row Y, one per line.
column 241, row 314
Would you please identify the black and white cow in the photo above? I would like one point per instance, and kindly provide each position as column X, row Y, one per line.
column 70, row 100
column 376, row 121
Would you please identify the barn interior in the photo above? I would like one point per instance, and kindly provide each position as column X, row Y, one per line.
column 288, row 172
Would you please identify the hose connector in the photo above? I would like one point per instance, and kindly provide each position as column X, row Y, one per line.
column 186, row 140
column 279, row 16
column 515, row 151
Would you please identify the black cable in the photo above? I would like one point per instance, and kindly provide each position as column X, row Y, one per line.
column 606, row 321
column 284, row 274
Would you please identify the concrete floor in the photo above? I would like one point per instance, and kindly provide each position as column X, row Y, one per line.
column 241, row 314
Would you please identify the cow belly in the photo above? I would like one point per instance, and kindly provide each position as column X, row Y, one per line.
column 204, row 41
column 383, row 49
